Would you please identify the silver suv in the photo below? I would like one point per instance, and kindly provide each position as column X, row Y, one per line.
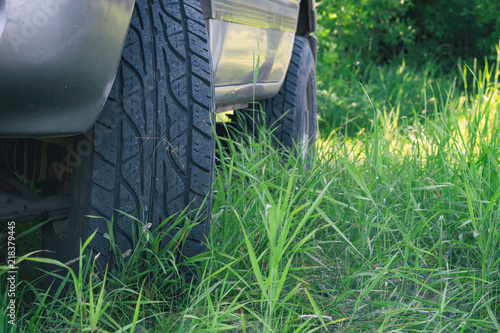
column 108, row 105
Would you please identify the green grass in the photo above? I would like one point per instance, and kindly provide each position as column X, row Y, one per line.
column 395, row 229
column 405, row 87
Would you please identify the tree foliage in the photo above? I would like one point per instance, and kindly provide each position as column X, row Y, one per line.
column 378, row 30
column 420, row 40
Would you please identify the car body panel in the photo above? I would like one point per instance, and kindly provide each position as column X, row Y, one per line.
column 237, row 49
column 244, row 34
column 58, row 59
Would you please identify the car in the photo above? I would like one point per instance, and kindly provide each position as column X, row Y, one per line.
column 109, row 106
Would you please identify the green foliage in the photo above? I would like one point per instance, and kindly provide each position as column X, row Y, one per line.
column 457, row 28
column 355, row 33
column 365, row 31
column 396, row 228
column 361, row 41
column 352, row 35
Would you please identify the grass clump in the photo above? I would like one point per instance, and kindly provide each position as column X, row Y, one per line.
column 393, row 229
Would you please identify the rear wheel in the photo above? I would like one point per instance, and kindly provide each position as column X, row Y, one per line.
column 151, row 153
column 292, row 113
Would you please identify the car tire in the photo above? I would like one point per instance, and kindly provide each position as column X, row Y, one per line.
column 151, row 152
column 291, row 115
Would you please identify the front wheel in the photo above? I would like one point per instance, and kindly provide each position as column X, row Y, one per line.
column 151, row 153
